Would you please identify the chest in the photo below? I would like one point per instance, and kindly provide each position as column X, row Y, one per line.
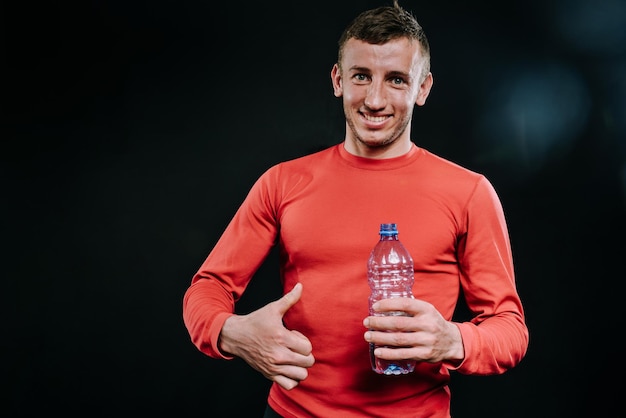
column 338, row 219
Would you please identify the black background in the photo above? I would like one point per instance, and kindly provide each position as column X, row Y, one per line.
column 133, row 130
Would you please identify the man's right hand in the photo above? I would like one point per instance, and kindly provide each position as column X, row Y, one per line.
column 261, row 339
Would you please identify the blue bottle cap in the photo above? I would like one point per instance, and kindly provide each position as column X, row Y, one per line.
column 388, row 229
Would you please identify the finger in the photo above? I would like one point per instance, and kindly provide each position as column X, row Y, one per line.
column 294, row 372
column 398, row 353
column 408, row 305
column 285, row 382
column 301, row 345
column 289, row 299
column 304, row 360
column 393, row 339
column 290, row 376
column 394, row 323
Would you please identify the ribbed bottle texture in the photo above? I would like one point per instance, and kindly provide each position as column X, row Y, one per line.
column 390, row 275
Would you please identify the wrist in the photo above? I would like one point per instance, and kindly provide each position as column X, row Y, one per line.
column 225, row 340
column 456, row 354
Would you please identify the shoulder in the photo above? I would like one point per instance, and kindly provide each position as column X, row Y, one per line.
column 443, row 168
column 307, row 161
column 289, row 173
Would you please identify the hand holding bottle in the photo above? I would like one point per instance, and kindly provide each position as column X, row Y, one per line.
column 422, row 335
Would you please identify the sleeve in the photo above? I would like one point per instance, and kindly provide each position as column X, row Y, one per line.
column 496, row 338
column 229, row 267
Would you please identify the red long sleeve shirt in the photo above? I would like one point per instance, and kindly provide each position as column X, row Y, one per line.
column 323, row 211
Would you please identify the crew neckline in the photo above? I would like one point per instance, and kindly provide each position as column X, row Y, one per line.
column 379, row 164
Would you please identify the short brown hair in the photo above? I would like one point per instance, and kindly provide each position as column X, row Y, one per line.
column 383, row 24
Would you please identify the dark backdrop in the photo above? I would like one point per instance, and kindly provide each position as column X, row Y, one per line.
column 133, row 130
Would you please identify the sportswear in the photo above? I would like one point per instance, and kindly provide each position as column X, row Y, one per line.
column 323, row 211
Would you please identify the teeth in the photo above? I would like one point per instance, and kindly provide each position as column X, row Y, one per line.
column 375, row 118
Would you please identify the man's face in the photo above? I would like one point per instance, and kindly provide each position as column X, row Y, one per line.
column 380, row 85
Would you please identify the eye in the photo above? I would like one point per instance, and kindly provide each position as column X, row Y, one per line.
column 397, row 81
column 360, row 77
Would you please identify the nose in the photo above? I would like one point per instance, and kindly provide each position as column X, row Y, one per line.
column 375, row 98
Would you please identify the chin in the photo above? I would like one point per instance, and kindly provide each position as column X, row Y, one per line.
column 376, row 143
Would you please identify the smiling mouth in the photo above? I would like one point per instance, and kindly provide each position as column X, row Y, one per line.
column 375, row 118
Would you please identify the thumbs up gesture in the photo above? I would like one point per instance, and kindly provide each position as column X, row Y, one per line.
column 261, row 339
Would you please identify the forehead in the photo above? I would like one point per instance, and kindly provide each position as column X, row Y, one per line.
column 398, row 55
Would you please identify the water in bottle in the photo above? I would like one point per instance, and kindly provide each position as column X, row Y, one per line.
column 390, row 275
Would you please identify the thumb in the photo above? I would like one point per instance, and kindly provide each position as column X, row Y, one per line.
column 289, row 299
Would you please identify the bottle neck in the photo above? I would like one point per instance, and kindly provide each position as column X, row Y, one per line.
column 385, row 237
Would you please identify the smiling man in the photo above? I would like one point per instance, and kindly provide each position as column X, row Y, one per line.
column 323, row 212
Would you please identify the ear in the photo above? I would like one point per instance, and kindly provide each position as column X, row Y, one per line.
column 424, row 89
column 335, row 76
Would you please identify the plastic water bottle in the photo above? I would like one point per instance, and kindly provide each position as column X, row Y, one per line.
column 390, row 275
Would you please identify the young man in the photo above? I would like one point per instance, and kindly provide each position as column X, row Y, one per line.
column 323, row 211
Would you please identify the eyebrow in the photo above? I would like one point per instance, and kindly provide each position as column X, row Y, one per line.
column 360, row 69
column 391, row 73
column 400, row 74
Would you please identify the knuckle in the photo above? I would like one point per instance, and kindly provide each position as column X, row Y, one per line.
column 276, row 358
column 406, row 304
column 401, row 339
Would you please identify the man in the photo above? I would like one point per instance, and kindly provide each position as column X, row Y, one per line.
column 323, row 211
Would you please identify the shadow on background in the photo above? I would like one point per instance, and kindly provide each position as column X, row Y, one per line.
column 134, row 131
